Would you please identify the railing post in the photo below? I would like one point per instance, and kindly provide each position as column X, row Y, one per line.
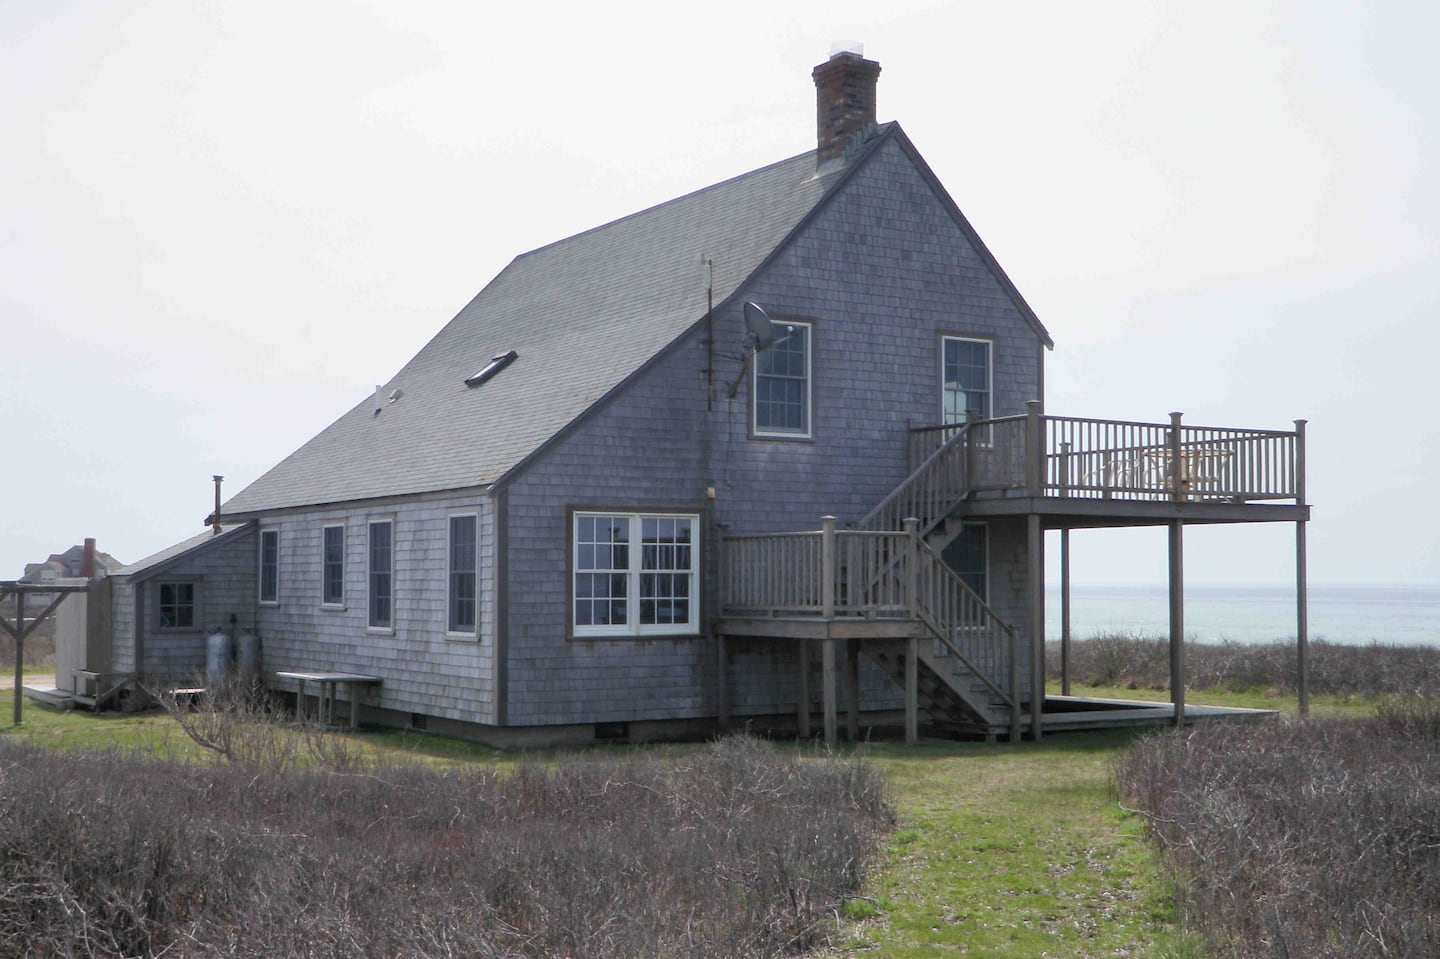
column 1065, row 469
column 1300, row 462
column 827, row 566
column 972, row 417
column 1034, row 449
column 1178, row 479
column 912, row 566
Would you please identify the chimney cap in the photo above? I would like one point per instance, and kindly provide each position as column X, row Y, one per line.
column 850, row 46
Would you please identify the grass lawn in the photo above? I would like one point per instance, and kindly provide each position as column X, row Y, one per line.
column 1001, row 850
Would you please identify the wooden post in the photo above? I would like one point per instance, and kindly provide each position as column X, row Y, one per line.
column 19, row 652
column 1302, row 599
column 1064, row 478
column 1179, row 481
column 1065, row 612
column 912, row 603
column 1034, row 449
column 722, row 684
column 852, row 686
column 1177, row 619
column 827, row 566
column 1037, row 623
column 972, row 417
column 802, row 719
column 827, row 673
column 912, row 691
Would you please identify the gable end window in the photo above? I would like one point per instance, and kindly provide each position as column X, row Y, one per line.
column 966, row 378
column 636, row 574
column 382, row 574
column 781, row 400
column 462, row 575
column 332, row 573
column 270, row 566
column 177, row 606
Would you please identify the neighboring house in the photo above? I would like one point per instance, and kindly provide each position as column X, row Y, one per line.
column 69, row 564
column 591, row 506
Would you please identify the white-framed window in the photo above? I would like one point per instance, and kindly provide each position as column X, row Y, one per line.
column 968, row 555
column 380, row 578
column 966, row 378
column 332, row 566
column 269, row 567
column 177, row 605
column 636, row 574
column 781, row 401
column 463, row 614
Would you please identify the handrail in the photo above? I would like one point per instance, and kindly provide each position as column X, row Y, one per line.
column 931, row 490
column 1086, row 457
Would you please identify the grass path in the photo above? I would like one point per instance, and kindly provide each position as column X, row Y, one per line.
column 1015, row 851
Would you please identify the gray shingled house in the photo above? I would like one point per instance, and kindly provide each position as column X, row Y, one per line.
column 772, row 448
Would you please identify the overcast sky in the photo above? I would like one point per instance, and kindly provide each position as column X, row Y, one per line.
column 223, row 223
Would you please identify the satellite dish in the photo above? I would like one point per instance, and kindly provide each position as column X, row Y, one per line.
column 757, row 322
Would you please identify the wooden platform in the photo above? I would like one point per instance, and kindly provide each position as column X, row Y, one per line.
column 1066, row 713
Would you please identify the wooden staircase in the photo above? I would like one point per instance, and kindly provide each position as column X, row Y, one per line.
column 968, row 671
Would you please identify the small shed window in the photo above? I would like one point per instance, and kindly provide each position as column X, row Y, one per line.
column 177, row 606
column 496, row 364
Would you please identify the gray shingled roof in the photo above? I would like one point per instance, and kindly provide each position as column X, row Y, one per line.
column 583, row 313
column 200, row 541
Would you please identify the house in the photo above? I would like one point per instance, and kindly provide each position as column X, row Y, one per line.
column 70, row 564
column 670, row 472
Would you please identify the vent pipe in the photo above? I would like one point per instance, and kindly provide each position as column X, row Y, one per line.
column 215, row 516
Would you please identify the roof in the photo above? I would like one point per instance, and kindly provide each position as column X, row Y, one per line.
column 582, row 315
column 201, row 542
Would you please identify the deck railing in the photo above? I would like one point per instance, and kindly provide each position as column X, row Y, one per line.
column 1117, row 459
column 867, row 574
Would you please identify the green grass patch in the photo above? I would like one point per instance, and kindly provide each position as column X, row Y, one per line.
column 1017, row 851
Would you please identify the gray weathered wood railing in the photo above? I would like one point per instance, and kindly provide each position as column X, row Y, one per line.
column 1043, row 455
column 873, row 575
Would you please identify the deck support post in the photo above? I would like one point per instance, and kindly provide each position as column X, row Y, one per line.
column 802, row 718
column 1065, row 612
column 722, row 684
column 1177, row 619
column 827, row 666
column 912, row 691
column 1302, row 599
column 852, row 686
column 1037, row 622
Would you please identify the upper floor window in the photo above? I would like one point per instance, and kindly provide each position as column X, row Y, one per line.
column 462, row 574
column 965, row 377
column 332, row 573
column 782, row 383
column 270, row 566
column 636, row 574
column 382, row 574
column 177, row 606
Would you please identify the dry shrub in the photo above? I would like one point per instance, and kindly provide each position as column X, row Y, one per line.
column 1318, row 838
column 1143, row 662
column 737, row 850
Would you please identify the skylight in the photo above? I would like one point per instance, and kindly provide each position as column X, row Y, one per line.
column 496, row 364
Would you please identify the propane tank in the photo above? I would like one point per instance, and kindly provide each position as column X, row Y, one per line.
column 218, row 655
column 247, row 659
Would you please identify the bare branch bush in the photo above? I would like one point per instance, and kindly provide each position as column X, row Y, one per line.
column 1316, row 838
column 737, row 850
column 1142, row 662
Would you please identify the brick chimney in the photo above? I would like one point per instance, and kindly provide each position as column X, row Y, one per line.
column 87, row 563
column 845, row 103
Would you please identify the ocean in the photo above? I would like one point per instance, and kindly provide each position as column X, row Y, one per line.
column 1360, row 614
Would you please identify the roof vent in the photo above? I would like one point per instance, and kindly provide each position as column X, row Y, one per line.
column 496, row 364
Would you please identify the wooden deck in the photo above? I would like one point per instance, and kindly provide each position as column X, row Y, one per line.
column 881, row 586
